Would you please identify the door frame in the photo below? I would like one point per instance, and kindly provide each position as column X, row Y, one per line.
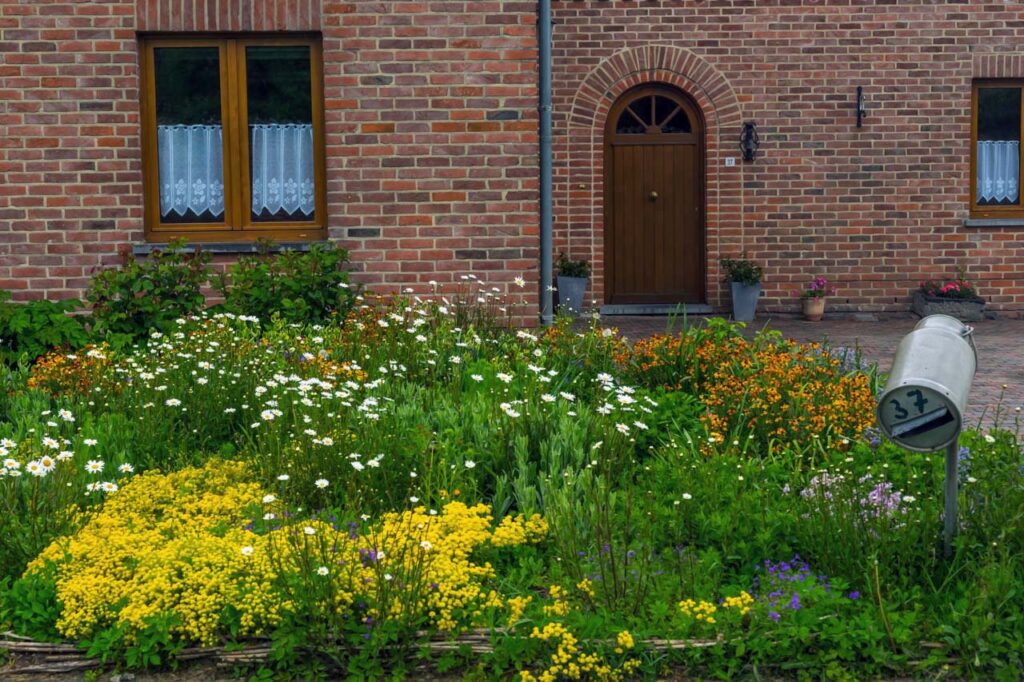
column 611, row 139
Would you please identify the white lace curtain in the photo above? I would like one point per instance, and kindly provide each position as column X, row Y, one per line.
column 998, row 170
column 192, row 168
column 282, row 168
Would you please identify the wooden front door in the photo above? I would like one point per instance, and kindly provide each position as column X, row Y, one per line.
column 654, row 199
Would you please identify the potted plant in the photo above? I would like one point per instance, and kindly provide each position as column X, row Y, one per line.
column 813, row 298
column 745, row 277
column 572, row 283
column 957, row 298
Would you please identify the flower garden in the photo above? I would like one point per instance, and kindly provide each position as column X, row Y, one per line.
column 413, row 486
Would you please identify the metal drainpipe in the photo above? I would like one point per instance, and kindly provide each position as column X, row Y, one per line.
column 546, row 244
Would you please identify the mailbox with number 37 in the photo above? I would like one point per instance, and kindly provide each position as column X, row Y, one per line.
column 923, row 402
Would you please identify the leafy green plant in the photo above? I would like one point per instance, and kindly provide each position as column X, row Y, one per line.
column 573, row 268
column 29, row 605
column 300, row 287
column 741, row 270
column 28, row 330
column 140, row 296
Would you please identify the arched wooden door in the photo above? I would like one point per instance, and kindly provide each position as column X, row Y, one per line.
column 654, row 199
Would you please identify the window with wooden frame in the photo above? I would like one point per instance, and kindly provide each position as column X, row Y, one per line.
column 996, row 132
column 233, row 138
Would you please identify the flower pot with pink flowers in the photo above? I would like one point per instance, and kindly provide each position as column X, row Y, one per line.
column 813, row 298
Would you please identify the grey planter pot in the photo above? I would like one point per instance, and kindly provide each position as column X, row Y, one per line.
column 744, row 301
column 965, row 310
column 570, row 293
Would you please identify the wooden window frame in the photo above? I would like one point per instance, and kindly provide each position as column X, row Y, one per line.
column 237, row 225
column 986, row 211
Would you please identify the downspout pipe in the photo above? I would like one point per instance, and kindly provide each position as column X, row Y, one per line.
column 546, row 226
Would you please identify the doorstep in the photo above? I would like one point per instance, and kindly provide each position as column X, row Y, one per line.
column 657, row 309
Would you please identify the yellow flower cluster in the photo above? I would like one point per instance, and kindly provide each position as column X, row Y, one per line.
column 430, row 556
column 742, row 602
column 167, row 544
column 519, row 529
column 559, row 605
column 570, row 662
column 586, row 587
column 625, row 641
column 516, row 606
column 700, row 611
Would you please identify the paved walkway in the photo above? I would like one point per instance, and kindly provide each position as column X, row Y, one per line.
column 1000, row 346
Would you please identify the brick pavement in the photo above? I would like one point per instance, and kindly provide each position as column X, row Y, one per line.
column 1000, row 346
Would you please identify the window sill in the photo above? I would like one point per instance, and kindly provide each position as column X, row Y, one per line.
column 228, row 247
column 994, row 222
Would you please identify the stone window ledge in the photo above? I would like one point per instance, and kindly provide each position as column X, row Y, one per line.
column 223, row 247
column 994, row 222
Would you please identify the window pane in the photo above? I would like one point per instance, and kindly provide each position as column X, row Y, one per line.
column 680, row 123
column 644, row 108
column 628, row 124
column 280, row 110
column 998, row 154
column 189, row 138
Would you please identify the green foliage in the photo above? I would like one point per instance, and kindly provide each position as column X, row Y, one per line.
column 741, row 270
column 573, row 268
column 29, row 605
column 140, row 296
column 151, row 647
column 299, row 287
column 28, row 330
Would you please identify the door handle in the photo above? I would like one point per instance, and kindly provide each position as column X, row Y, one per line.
column 654, row 196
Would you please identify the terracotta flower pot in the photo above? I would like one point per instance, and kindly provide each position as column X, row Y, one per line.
column 814, row 308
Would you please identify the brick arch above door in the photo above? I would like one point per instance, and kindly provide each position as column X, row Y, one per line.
column 584, row 146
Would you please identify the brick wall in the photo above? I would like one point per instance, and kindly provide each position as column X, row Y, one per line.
column 877, row 209
column 431, row 134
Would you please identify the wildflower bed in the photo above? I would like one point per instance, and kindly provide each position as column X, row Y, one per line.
column 415, row 485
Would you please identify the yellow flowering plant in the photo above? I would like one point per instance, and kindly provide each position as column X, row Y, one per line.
column 181, row 549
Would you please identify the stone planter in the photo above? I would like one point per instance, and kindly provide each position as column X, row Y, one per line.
column 570, row 293
column 814, row 308
column 963, row 309
column 744, row 301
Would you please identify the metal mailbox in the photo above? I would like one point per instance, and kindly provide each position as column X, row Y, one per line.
column 923, row 402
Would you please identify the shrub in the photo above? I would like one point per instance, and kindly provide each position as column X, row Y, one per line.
column 741, row 270
column 28, row 330
column 299, row 287
column 129, row 301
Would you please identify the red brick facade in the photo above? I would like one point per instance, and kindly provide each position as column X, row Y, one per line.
column 431, row 133
column 876, row 209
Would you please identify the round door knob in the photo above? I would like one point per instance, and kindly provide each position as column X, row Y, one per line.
column 654, row 195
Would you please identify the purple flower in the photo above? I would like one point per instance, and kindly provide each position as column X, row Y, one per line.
column 774, row 615
column 855, row 595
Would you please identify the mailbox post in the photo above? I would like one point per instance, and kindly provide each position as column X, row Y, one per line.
column 923, row 403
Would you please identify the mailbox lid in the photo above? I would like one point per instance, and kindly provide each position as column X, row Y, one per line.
column 919, row 417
